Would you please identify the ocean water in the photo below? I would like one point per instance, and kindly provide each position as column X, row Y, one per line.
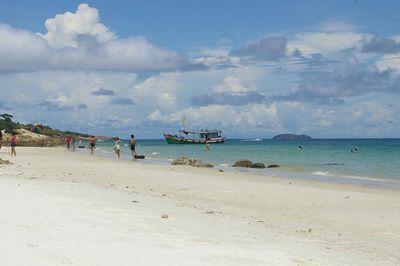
column 320, row 158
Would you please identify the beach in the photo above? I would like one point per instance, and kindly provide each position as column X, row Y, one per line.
column 60, row 207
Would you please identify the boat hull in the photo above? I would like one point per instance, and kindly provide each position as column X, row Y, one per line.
column 171, row 139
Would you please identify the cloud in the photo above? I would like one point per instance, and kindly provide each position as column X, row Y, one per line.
column 54, row 106
column 230, row 92
column 270, row 48
column 381, row 45
column 122, row 101
column 82, row 106
column 224, row 98
column 103, row 92
column 252, row 119
column 325, row 43
column 231, row 84
column 78, row 41
column 159, row 91
column 65, row 29
column 332, row 87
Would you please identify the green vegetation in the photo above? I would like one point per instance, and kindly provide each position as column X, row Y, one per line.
column 9, row 126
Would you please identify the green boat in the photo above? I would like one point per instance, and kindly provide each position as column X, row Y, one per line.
column 195, row 137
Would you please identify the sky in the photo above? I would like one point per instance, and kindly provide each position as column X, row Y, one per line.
column 254, row 69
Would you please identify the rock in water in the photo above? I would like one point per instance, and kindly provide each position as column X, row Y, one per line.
column 273, row 166
column 248, row 164
column 191, row 161
column 258, row 165
column 243, row 163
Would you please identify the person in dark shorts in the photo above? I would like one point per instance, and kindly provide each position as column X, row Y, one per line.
column 1, row 137
column 132, row 144
column 92, row 144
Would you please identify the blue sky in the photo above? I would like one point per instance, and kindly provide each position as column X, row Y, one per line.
column 251, row 68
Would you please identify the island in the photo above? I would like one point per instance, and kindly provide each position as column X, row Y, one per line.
column 291, row 137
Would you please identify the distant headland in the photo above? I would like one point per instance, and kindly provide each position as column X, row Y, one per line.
column 291, row 137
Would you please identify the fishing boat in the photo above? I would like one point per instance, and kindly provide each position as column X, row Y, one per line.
column 195, row 137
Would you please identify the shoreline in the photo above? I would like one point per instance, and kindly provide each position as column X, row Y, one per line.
column 364, row 181
column 214, row 218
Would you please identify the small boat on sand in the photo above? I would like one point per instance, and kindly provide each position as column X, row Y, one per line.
column 195, row 137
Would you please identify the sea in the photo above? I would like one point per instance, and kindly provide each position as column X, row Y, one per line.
column 376, row 162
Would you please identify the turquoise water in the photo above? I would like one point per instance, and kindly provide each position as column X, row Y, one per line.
column 376, row 158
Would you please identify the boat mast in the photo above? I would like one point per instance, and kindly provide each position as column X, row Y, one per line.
column 183, row 123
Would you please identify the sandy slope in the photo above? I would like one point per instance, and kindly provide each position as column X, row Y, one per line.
column 63, row 208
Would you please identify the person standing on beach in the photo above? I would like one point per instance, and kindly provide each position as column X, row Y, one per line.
column 73, row 143
column 117, row 147
column 1, row 137
column 92, row 144
column 13, row 141
column 132, row 144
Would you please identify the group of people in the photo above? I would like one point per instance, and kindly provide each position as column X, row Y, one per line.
column 132, row 146
column 70, row 142
column 13, row 142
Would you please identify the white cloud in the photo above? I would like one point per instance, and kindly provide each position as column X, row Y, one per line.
column 77, row 41
column 215, row 57
column 324, row 42
column 387, row 62
column 157, row 92
column 65, row 29
column 231, row 84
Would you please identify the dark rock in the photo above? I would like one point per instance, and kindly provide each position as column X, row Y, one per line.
column 257, row 165
column 291, row 137
column 273, row 166
column 243, row 163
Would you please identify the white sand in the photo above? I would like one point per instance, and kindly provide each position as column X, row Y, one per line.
column 60, row 208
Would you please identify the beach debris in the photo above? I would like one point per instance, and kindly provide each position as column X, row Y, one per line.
column 164, row 195
column 191, row 161
column 164, row 216
column 220, row 170
column 347, row 197
column 209, row 212
column 135, row 201
column 4, row 161
column 273, row 166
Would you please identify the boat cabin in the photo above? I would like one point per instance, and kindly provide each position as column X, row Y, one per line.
column 203, row 134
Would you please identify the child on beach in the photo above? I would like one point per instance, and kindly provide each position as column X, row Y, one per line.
column 13, row 141
column 132, row 144
column 117, row 147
